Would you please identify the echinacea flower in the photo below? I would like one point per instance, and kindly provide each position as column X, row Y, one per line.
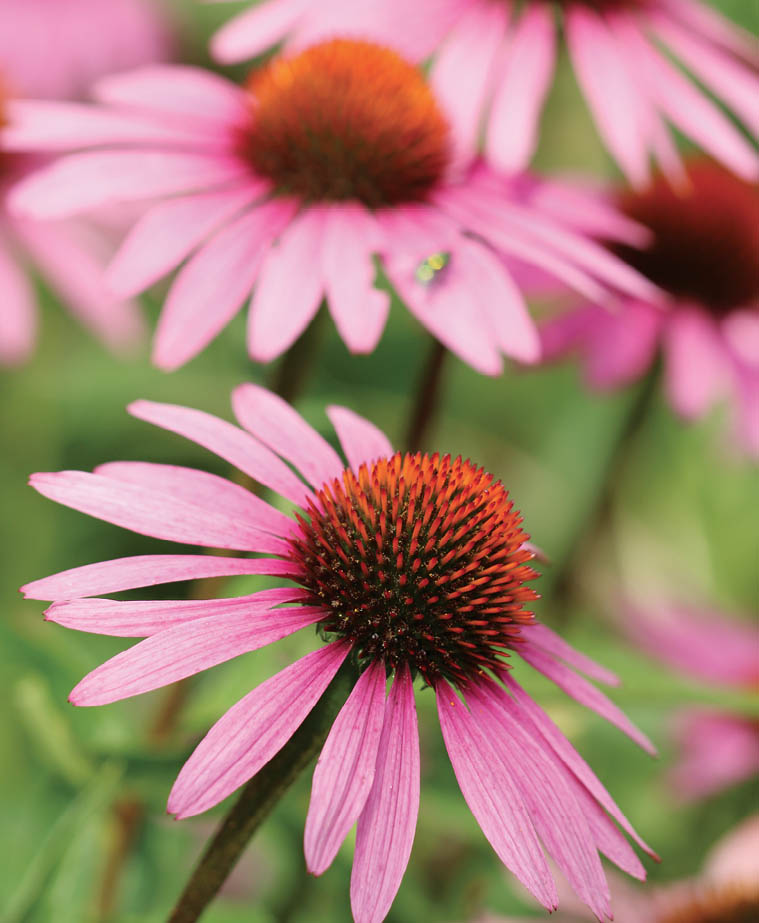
column 703, row 255
column 410, row 567
column 496, row 61
column 719, row 748
column 725, row 891
column 293, row 188
column 55, row 49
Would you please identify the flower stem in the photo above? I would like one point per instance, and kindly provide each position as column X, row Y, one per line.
column 256, row 801
column 290, row 375
column 427, row 397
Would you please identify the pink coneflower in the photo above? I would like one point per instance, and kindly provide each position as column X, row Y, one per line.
column 704, row 256
column 495, row 61
column 410, row 567
column 718, row 748
column 293, row 188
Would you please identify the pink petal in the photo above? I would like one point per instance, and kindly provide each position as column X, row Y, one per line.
column 610, row 90
column 143, row 618
column 212, row 286
column 558, row 818
column 188, row 92
column 289, row 288
column 719, row 750
column 168, row 233
column 86, row 181
column 387, row 824
column 493, row 797
column 152, row 513
column 522, row 87
column 544, row 726
column 462, row 72
column 696, row 370
column 253, row 731
column 542, row 636
column 359, row 310
column 584, row 693
column 19, row 312
column 361, row 440
column 228, row 442
column 714, row 27
column 621, row 344
column 146, row 570
column 188, row 648
column 345, row 770
column 273, row 421
column 255, row 30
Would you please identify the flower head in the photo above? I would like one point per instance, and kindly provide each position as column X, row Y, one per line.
column 293, row 188
column 410, row 567
column 702, row 254
column 633, row 90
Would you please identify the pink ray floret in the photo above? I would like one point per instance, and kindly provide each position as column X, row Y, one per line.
column 409, row 567
column 251, row 200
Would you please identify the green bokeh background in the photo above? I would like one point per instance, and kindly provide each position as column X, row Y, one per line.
column 679, row 522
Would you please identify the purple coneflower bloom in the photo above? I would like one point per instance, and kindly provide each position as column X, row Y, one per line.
column 496, row 59
column 292, row 189
column 703, row 255
column 411, row 567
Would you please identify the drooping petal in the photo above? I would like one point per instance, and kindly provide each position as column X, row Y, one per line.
column 168, row 233
column 387, row 824
column 493, row 797
column 278, row 425
column 696, row 369
column 718, row 750
column 146, row 570
column 81, row 182
column 211, row 288
column 523, row 83
column 290, row 276
column 202, row 489
column 188, row 648
column 143, row 618
column 361, row 440
column 18, row 317
column 152, row 513
column 542, row 636
column 558, row 818
column 253, row 731
column 583, row 692
column 255, row 30
column 228, row 442
column 345, row 771
column 620, row 345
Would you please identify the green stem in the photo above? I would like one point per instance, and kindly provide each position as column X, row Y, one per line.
column 256, row 801
column 427, row 397
column 290, row 375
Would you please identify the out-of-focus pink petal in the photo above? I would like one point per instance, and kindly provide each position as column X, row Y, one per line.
column 202, row 489
column 153, row 513
column 493, row 797
column 143, row 618
column 254, row 30
column 567, row 753
column 289, row 287
column 358, row 309
column 542, row 636
column 189, row 93
column 735, row 858
column 212, row 286
column 696, row 372
column 584, row 692
column 621, row 344
column 228, row 442
column 462, row 73
column 168, row 233
column 747, row 415
column 710, row 24
column 345, row 770
column 558, row 818
column 361, row 440
column 81, row 182
column 386, row 827
column 523, row 82
column 609, row 89
column 278, row 425
column 187, row 649
column 253, row 731
column 718, row 750
column 18, row 317
column 146, row 570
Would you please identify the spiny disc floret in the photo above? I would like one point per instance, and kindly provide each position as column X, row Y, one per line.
column 418, row 560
